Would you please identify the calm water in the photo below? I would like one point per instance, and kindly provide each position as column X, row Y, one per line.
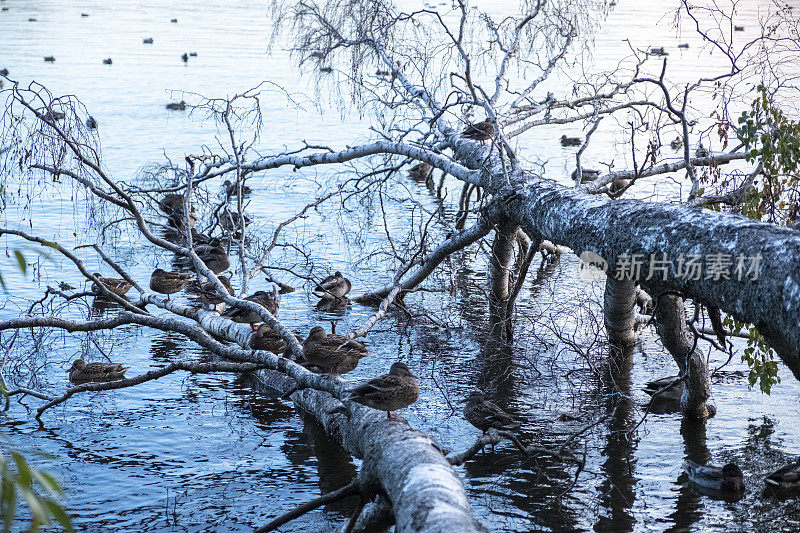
column 192, row 453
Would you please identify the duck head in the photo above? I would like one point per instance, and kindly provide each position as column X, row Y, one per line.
column 400, row 369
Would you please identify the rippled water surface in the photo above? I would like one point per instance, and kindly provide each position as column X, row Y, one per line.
column 217, row 452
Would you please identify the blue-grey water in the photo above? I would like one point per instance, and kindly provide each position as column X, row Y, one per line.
column 215, row 452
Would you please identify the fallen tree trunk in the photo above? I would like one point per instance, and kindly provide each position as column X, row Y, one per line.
column 633, row 228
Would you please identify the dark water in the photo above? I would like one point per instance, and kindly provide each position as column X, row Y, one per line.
column 192, row 453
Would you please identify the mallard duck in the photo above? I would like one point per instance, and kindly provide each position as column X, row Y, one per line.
column 683, row 45
column 786, row 478
column 587, row 174
column 570, row 141
column 207, row 292
column 231, row 189
column 331, row 351
column 174, row 21
column 701, row 151
column 50, row 59
column 3, row 72
column 178, row 221
column 185, row 57
column 335, row 286
column 484, row 414
column 676, row 143
column 728, row 479
column 83, row 372
column 53, row 116
column 266, row 338
column 420, row 171
column 268, row 301
column 91, row 123
column 168, row 283
column 658, row 51
column 147, row 40
column 108, row 61
column 115, row 285
column 389, row 392
column 172, row 205
column 214, row 256
column 199, row 238
column 229, row 221
column 177, row 106
column 672, row 394
column 480, row 131
column 738, row 28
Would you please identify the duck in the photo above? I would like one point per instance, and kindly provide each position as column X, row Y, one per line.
column 484, row 414
column 231, row 189
column 115, row 285
column 330, row 351
column 207, row 292
column 178, row 221
column 53, row 116
column 701, row 151
column 570, row 141
column 326, row 69
column 420, row 171
column 738, row 28
column 108, row 61
column 683, row 45
column 50, row 59
column 147, row 40
column 173, row 21
column 268, row 301
column 389, row 392
column 786, row 478
column 335, row 286
column 266, row 338
column 172, row 205
column 200, row 238
column 587, row 174
column 214, row 256
column 83, row 372
column 229, row 221
column 3, row 72
column 672, row 394
column 658, row 51
column 168, row 283
column 676, row 143
column 177, row 106
column 91, row 123
column 185, row 57
column 728, row 479
column 480, row 131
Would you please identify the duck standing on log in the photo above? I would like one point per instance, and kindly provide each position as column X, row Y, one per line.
column 480, row 131
column 389, row 392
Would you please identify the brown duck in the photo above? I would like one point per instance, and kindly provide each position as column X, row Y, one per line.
column 115, row 285
column 335, row 353
column 484, row 414
column 389, row 392
column 214, row 257
column 480, row 131
column 168, row 283
column 266, row 338
column 268, row 301
column 786, row 478
column 83, row 372
column 207, row 292
column 335, row 286
column 420, row 171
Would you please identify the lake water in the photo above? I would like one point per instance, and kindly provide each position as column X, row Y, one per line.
column 217, row 452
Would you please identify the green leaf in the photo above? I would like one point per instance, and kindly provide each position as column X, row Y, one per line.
column 23, row 265
column 60, row 515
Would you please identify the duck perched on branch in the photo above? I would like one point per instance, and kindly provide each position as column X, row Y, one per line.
column 232, row 190
column 83, row 372
column 389, row 392
column 168, row 283
column 480, row 131
column 484, row 414
column 266, row 338
column 207, row 292
column 335, row 353
column 728, row 479
column 335, row 286
column 268, row 301
column 115, row 285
